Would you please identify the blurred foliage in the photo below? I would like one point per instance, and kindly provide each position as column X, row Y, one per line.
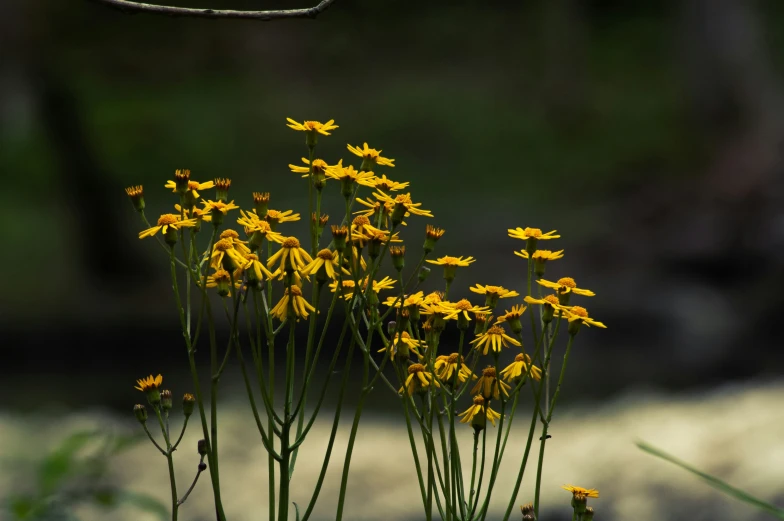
column 75, row 474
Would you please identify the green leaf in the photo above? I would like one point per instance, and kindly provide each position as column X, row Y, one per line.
column 715, row 482
column 60, row 462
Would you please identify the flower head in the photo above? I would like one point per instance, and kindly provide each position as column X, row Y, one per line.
column 290, row 255
column 149, row 383
column 293, row 298
column 402, row 339
column 493, row 293
column 489, row 386
column 191, row 187
column 478, row 413
column 447, row 365
column 258, row 229
column 541, row 255
column 371, row 156
column 225, row 254
column 403, row 204
column 312, row 126
column 275, row 217
column 432, row 234
column 418, row 380
column 167, row 222
column 221, row 280
column 577, row 316
column 451, row 264
column 464, row 306
column 325, row 260
column 136, row 194
column 532, row 233
column 319, row 167
column 519, row 368
column 496, row 338
column 581, row 492
column 386, row 184
column 566, row 285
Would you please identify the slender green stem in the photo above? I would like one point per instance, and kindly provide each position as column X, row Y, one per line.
column 182, row 432
column 170, row 461
column 184, row 498
column 149, row 435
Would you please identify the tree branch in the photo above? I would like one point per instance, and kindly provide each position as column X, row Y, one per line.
column 130, row 7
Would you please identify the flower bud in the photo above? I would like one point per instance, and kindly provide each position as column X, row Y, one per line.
column 188, row 402
column 391, row 327
column 527, row 509
column 432, row 234
column 588, row 514
column 398, row 212
column 424, row 272
column 140, row 411
column 574, row 327
column 261, row 202
column 166, row 399
column 181, row 178
column 222, row 189
column 136, row 193
column 480, row 323
column 201, row 446
column 202, row 466
column 374, row 247
column 398, row 254
column 403, row 318
column 339, row 234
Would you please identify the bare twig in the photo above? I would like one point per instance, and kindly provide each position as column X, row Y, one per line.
column 137, row 7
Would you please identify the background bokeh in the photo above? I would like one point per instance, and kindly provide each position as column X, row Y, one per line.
column 647, row 133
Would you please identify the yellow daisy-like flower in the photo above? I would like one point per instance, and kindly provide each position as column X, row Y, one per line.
column 541, row 255
column 221, row 280
column 193, row 186
column 496, row 291
column 403, row 204
column 410, row 300
column 419, row 379
column 275, row 217
column 510, row 316
column 531, row 233
column 312, row 126
column 433, row 297
column 319, row 167
column 225, row 255
column 326, row 259
column 580, row 492
column 254, row 226
column 446, row 366
column 566, row 285
column 348, row 174
column 403, row 338
column 290, row 255
column 480, row 411
column 193, row 213
column 496, row 338
column 218, row 206
column 464, row 306
column 371, row 155
column 386, row 184
column 578, row 313
column 441, row 310
column 551, row 303
column 149, row 383
column 300, row 306
column 255, row 267
column 489, row 386
column 349, row 286
column 165, row 222
column 519, row 368
column 452, row 261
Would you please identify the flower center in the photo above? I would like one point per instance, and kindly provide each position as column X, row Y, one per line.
column 290, row 242
column 552, row 300
column 453, row 358
column 360, row 220
column 434, row 297
column 449, row 261
column 295, row 291
column 416, row 368
column 229, row 234
column 312, row 125
column 495, row 330
column 488, row 372
column 568, row 282
column 319, row 165
column 166, row 219
column 252, row 257
column 325, row 254
column 224, row 245
column 221, row 276
column 478, row 400
column 193, row 185
column 403, row 199
column 579, row 311
column 463, row 305
column 533, row 232
column 521, row 358
column 493, row 290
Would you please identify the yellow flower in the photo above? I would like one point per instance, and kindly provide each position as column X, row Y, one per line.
column 256, row 267
column 433, row 297
column 275, row 217
column 439, row 310
column 348, row 174
column 386, row 184
column 519, row 368
column 446, row 366
column 478, row 410
column 312, row 126
column 488, row 385
column 566, row 285
column 402, row 338
column 193, row 186
column 326, row 259
column 225, row 255
column 452, row 261
column 541, row 255
column 234, row 237
column 300, row 306
column 221, row 279
column 419, row 379
column 497, row 291
column 403, row 204
column 253, row 225
column 194, row 213
column 136, row 194
column 371, row 155
column 432, row 234
column 531, row 233
column 578, row 313
column 511, row 316
column 149, row 383
column 410, row 300
column 166, row 222
column 319, row 166
column 463, row 306
column 218, row 206
column 349, row 286
column 290, row 255
column 552, row 306
column 494, row 337
column 580, row 492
